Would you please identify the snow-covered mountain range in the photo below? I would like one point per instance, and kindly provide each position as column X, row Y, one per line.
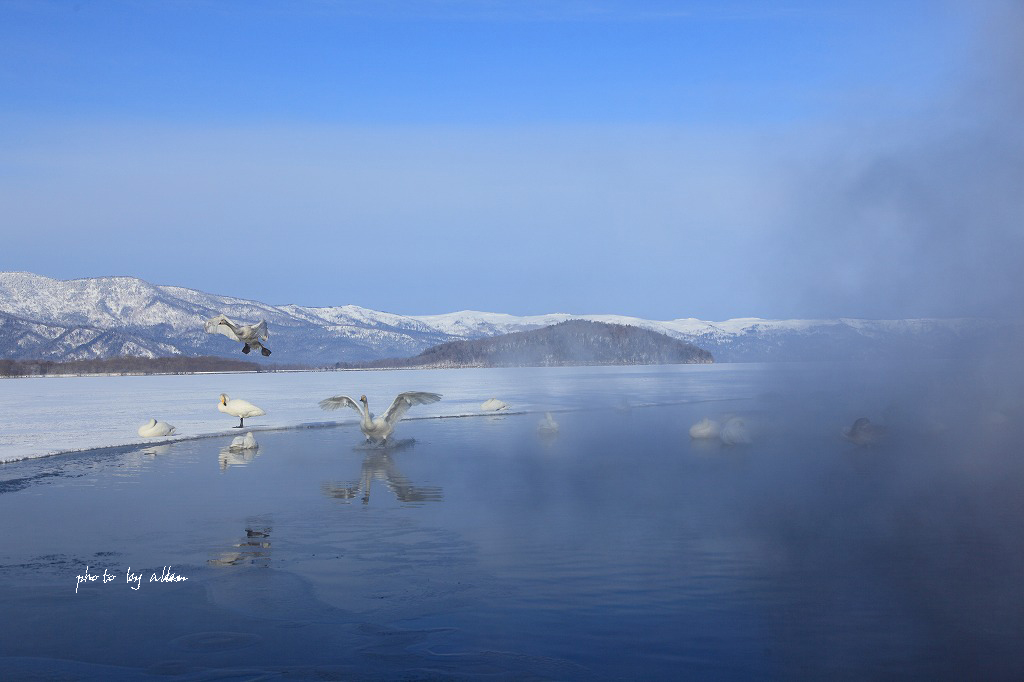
column 49, row 319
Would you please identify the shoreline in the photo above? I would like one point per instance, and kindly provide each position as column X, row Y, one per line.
column 355, row 369
column 121, row 448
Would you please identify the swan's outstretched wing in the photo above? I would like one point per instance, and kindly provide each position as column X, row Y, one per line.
column 222, row 325
column 339, row 401
column 261, row 330
column 406, row 400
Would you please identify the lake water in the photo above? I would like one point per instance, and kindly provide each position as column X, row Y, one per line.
column 478, row 548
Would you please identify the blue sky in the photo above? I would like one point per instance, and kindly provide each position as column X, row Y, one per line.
column 660, row 159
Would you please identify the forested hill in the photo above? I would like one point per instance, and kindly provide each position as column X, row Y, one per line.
column 575, row 342
column 177, row 364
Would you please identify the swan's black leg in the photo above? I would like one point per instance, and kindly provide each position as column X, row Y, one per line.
column 246, row 349
column 266, row 352
column 240, row 419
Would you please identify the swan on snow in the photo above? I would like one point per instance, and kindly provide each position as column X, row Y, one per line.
column 155, row 429
column 237, row 407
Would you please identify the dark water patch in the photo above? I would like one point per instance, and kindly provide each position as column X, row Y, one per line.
column 216, row 641
column 15, row 484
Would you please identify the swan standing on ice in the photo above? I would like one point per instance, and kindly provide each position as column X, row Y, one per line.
column 237, row 407
column 705, row 428
column 548, row 426
column 249, row 334
column 378, row 429
column 493, row 405
column 155, row 429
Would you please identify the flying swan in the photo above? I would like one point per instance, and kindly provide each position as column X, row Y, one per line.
column 378, row 429
column 237, row 407
column 155, row 429
column 249, row 334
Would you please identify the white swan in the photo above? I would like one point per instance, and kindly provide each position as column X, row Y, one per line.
column 734, row 432
column 237, row 407
column 863, row 432
column 378, row 429
column 705, row 428
column 155, row 429
column 249, row 334
column 548, row 426
column 493, row 405
column 246, row 442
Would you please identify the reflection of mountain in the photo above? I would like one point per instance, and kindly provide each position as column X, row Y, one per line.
column 253, row 549
column 379, row 465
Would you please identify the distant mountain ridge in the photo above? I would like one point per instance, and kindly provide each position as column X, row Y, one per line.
column 573, row 342
column 48, row 319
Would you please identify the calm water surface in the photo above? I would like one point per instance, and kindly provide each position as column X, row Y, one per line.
column 480, row 549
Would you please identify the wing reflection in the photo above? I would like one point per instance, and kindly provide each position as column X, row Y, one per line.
column 253, row 549
column 380, row 466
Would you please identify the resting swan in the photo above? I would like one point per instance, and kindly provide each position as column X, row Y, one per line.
column 493, row 405
column 237, row 407
column 734, row 432
column 246, row 442
column 705, row 428
column 249, row 334
column 378, row 429
column 155, row 429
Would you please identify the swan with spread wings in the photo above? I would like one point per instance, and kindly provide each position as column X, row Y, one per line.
column 379, row 429
column 249, row 334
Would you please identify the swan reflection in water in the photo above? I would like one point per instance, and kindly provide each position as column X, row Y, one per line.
column 155, row 450
column 378, row 464
column 253, row 549
column 137, row 459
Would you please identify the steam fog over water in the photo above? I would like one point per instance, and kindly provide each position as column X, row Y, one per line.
column 478, row 548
